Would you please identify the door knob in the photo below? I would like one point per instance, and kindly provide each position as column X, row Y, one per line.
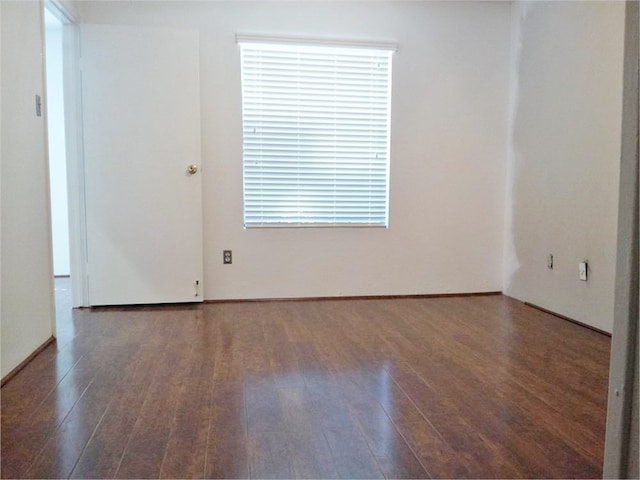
column 192, row 169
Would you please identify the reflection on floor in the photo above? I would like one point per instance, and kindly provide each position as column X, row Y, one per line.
column 64, row 322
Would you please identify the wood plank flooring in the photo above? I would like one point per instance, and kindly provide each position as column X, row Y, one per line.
column 466, row 387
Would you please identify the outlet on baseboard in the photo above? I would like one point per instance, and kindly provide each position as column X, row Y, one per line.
column 582, row 270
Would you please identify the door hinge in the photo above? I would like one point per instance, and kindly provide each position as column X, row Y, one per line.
column 38, row 106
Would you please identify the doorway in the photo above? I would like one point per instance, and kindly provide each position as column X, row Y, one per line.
column 59, row 203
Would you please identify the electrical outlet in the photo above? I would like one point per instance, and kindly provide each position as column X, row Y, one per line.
column 226, row 257
column 550, row 261
column 582, row 271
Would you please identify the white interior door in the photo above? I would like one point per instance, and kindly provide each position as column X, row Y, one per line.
column 141, row 119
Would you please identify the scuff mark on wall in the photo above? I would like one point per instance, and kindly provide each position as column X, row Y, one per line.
column 563, row 156
column 511, row 262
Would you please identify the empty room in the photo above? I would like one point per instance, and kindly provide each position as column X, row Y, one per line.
column 319, row 239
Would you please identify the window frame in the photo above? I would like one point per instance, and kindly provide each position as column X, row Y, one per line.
column 338, row 218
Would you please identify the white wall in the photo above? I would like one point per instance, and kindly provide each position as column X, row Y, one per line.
column 1, row 153
column 57, row 148
column 27, row 289
column 564, row 157
column 448, row 148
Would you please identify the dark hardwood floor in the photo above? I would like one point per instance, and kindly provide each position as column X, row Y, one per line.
column 481, row 387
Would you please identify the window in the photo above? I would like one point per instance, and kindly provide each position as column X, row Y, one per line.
column 315, row 134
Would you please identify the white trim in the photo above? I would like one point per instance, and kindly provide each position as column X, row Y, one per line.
column 45, row 133
column 267, row 39
column 74, row 149
column 57, row 8
column 620, row 430
column 75, row 164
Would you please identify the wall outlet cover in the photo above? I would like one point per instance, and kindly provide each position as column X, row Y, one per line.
column 582, row 271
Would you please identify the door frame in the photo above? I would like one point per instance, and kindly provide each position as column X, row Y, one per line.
column 72, row 64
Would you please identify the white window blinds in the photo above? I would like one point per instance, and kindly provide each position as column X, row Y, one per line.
column 315, row 135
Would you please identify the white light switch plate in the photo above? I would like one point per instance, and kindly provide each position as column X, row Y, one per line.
column 582, row 271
